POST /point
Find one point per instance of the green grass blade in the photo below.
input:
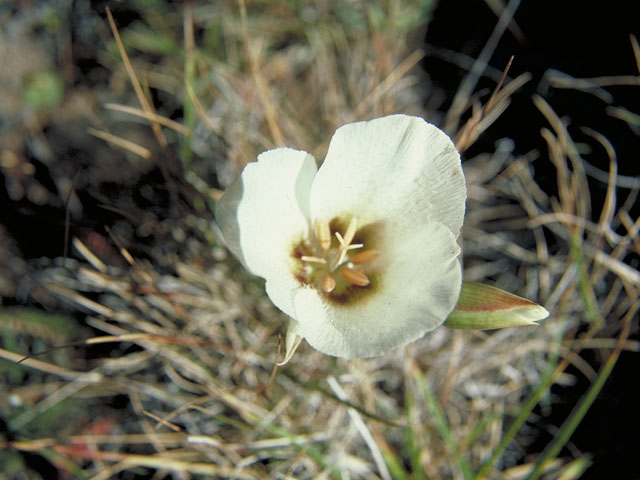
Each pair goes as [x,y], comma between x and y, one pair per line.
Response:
[443,426]
[578,413]
[524,412]
[585,288]
[413,448]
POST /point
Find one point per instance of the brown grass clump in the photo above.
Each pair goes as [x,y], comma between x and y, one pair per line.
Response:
[189,340]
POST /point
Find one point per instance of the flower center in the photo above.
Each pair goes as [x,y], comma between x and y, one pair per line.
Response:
[335,262]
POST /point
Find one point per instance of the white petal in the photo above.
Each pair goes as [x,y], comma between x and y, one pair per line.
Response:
[264,213]
[397,167]
[419,279]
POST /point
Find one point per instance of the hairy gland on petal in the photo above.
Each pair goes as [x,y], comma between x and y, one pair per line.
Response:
[321,258]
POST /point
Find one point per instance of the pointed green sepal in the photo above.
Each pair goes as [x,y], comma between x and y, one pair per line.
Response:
[482,307]
[292,341]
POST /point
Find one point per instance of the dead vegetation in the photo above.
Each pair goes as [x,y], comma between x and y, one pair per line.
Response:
[156,315]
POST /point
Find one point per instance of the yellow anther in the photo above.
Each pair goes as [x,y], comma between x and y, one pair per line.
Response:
[323,235]
[354,277]
[328,283]
[364,256]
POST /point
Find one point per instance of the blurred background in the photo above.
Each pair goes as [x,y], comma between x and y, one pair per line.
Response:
[152,353]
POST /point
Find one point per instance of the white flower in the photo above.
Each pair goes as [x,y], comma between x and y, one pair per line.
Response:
[362,252]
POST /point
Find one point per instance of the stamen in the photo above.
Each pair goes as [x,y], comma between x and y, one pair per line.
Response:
[329,255]
[323,235]
[342,254]
[311,259]
[351,231]
[355,277]
[364,256]
[328,283]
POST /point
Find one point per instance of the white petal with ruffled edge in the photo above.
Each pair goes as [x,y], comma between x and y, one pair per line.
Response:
[264,213]
[397,168]
[418,286]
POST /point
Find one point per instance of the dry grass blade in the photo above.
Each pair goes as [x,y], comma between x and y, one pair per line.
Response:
[468,85]
[258,78]
[88,255]
[155,461]
[133,147]
[482,118]
[167,122]
[40,365]
[389,82]
[202,114]
[142,98]
[636,50]
[362,428]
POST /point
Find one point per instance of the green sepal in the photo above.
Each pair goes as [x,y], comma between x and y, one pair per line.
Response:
[482,307]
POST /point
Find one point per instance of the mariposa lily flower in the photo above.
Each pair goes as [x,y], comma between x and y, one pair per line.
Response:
[362,252]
